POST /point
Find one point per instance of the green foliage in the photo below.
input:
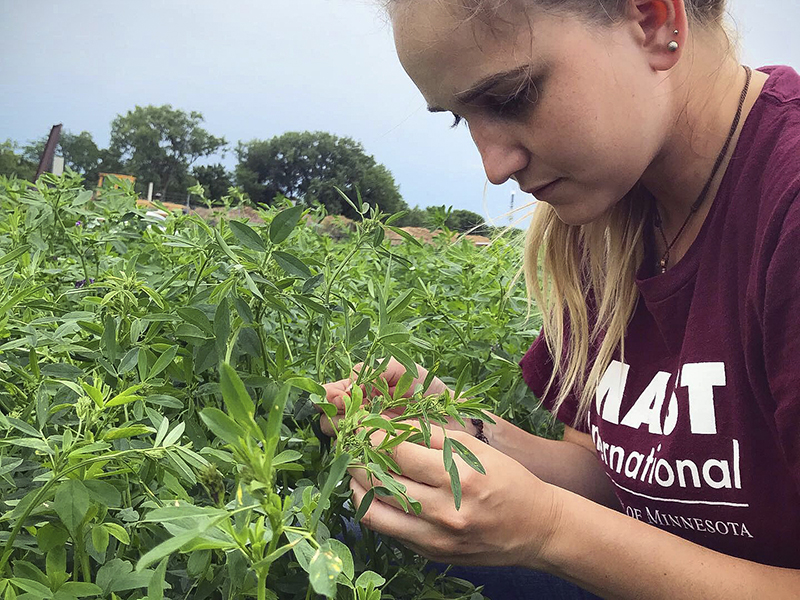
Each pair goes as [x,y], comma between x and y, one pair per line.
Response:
[437,217]
[309,166]
[160,143]
[158,383]
[215,179]
[14,163]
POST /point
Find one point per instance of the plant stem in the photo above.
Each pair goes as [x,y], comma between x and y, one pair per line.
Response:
[262,583]
[199,275]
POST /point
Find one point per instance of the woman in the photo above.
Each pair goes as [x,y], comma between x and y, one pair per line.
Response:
[667,233]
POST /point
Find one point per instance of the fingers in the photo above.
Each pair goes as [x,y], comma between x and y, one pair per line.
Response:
[389,520]
[335,390]
[422,493]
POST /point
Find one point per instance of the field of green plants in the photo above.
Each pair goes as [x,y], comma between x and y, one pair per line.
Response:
[158,380]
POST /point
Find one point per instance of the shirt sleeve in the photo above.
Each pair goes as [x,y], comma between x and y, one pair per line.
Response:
[537,366]
[781,342]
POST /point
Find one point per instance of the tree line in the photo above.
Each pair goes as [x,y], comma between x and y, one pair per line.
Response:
[162,145]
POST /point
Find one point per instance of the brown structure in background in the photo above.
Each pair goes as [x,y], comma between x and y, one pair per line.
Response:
[46,161]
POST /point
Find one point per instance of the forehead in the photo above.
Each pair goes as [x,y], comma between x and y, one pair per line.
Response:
[444,51]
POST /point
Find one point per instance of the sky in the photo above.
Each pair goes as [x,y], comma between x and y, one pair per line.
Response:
[258,68]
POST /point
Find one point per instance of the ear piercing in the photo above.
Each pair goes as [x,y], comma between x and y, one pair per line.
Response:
[673,45]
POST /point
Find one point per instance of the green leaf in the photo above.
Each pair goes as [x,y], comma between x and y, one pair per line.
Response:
[455,484]
[482,386]
[80,589]
[36,589]
[468,457]
[118,576]
[128,362]
[308,385]
[343,552]
[196,317]
[400,303]
[62,371]
[447,454]
[335,473]
[379,422]
[163,361]
[292,265]
[103,493]
[406,236]
[240,406]
[14,254]
[222,328]
[286,456]
[118,532]
[313,305]
[393,333]
[366,502]
[25,428]
[100,538]
[174,436]
[155,587]
[163,428]
[34,443]
[324,571]
[246,236]
[173,544]
[222,426]
[403,358]
[462,380]
[284,223]
[71,503]
[275,421]
[369,579]
[120,433]
[360,331]
[225,248]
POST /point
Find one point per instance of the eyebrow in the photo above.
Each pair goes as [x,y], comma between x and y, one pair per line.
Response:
[484,85]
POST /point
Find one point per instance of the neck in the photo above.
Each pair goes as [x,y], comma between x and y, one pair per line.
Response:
[707,101]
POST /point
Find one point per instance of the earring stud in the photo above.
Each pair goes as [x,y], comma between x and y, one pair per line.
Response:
[673,46]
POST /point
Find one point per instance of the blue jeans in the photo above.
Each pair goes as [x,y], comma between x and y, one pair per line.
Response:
[514,583]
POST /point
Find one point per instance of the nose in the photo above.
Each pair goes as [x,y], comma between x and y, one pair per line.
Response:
[502,155]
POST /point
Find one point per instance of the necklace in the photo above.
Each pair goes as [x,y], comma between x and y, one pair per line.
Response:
[701,198]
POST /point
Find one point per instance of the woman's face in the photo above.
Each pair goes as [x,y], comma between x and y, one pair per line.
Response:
[548,99]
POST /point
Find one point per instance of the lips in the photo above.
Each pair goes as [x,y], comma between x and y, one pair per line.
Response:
[540,190]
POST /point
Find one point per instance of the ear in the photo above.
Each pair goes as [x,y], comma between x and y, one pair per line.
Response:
[658,20]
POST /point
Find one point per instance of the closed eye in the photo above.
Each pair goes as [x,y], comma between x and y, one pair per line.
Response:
[514,105]
[457,120]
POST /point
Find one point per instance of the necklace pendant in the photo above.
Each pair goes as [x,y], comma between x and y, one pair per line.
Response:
[663,264]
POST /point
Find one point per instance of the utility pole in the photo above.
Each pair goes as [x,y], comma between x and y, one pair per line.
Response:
[511,210]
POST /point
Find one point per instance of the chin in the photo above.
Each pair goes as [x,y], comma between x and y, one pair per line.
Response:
[576,214]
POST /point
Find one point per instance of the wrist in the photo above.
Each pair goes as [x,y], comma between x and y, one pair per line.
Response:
[547,516]
[479,430]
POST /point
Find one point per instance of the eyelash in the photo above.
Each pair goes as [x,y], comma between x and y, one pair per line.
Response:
[507,107]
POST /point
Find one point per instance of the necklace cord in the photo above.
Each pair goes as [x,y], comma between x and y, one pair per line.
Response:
[701,198]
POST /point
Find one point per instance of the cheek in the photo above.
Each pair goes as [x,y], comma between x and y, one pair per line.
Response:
[606,140]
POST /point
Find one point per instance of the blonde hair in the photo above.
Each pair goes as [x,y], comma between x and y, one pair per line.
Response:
[582,277]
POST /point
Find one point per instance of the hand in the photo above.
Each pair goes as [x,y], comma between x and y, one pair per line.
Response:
[337,389]
[507,516]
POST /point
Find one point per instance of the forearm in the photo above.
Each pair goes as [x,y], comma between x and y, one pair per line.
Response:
[563,464]
[617,557]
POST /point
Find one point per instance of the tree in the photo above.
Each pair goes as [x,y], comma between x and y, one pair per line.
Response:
[308,166]
[160,143]
[14,164]
[215,179]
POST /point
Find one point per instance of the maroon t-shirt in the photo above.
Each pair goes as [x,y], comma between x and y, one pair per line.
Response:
[699,429]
